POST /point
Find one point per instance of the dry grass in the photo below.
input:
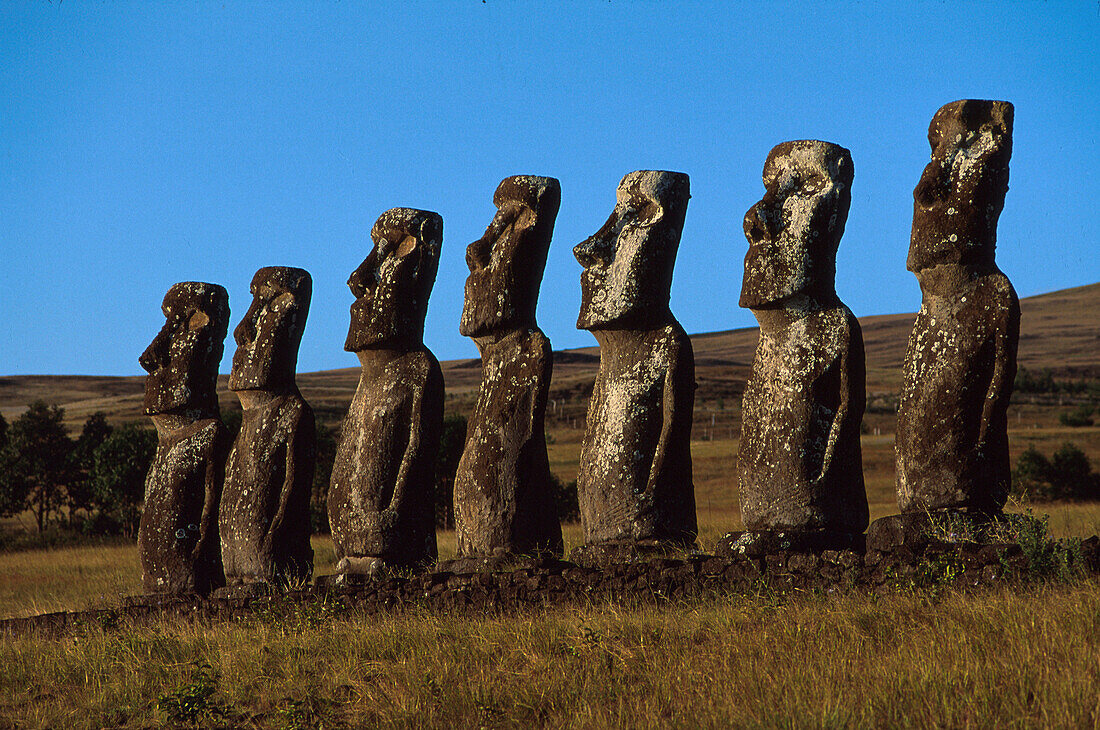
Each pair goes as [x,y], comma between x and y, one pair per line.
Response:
[997,659]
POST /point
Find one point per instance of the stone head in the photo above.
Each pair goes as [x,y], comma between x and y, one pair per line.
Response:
[392,285]
[271,330]
[182,361]
[794,231]
[506,263]
[961,194]
[628,263]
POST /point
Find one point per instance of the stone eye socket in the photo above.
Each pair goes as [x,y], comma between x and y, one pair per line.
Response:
[197,321]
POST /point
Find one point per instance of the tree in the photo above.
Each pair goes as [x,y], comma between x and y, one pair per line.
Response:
[1071,474]
[119,467]
[322,475]
[451,442]
[37,467]
[1066,475]
[95,432]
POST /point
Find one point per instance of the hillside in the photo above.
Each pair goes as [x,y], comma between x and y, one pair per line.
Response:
[1060,331]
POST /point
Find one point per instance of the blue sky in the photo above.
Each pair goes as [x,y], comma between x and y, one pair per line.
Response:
[143,144]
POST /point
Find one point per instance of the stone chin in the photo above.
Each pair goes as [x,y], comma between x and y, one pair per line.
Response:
[480,315]
[248,371]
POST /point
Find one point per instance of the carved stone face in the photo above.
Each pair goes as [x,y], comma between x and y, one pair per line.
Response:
[794,231]
[268,336]
[182,361]
[959,198]
[392,285]
[506,263]
[628,263]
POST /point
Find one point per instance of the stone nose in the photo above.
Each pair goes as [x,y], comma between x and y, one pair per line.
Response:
[156,354]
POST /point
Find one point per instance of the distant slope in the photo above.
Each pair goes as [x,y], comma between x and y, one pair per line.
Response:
[1059,331]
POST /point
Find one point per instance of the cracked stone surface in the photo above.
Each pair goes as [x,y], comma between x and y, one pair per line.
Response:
[634,481]
[952,433]
[381,498]
[502,491]
[178,533]
[264,520]
[800,465]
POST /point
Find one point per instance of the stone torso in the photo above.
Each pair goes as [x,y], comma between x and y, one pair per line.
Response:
[952,439]
[381,499]
[502,487]
[799,460]
[264,518]
[178,534]
[634,481]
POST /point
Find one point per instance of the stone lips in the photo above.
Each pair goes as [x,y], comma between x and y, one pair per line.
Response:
[393,283]
[795,230]
[271,330]
[506,264]
[799,460]
[634,482]
[960,195]
[182,360]
[178,540]
[502,490]
[381,496]
[952,433]
[628,263]
[264,516]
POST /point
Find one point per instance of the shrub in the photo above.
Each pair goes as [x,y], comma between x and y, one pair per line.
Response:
[1066,475]
[1078,417]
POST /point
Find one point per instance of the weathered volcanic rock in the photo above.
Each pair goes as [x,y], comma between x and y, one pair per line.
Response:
[952,433]
[634,481]
[502,492]
[799,465]
[381,498]
[178,533]
[265,524]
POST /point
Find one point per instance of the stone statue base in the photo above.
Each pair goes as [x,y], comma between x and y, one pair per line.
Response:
[758,543]
[498,562]
[602,554]
[916,530]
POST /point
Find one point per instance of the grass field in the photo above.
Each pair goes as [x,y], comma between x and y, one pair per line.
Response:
[991,659]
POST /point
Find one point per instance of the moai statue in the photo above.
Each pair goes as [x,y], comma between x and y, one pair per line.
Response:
[264,519]
[502,491]
[800,466]
[381,499]
[634,483]
[952,437]
[178,533]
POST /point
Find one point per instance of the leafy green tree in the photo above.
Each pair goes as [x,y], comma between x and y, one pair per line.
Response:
[36,466]
[1066,475]
[1071,474]
[119,467]
[80,497]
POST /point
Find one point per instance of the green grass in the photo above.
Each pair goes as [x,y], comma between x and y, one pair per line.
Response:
[993,659]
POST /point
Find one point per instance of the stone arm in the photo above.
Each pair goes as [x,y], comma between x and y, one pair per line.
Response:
[852,396]
[677,403]
[214,477]
[425,423]
[1005,344]
[301,455]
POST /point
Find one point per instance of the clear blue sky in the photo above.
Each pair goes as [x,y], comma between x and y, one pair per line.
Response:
[147,143]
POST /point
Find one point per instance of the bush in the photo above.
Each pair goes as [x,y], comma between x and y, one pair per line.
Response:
[1066,475]
[1078,417]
